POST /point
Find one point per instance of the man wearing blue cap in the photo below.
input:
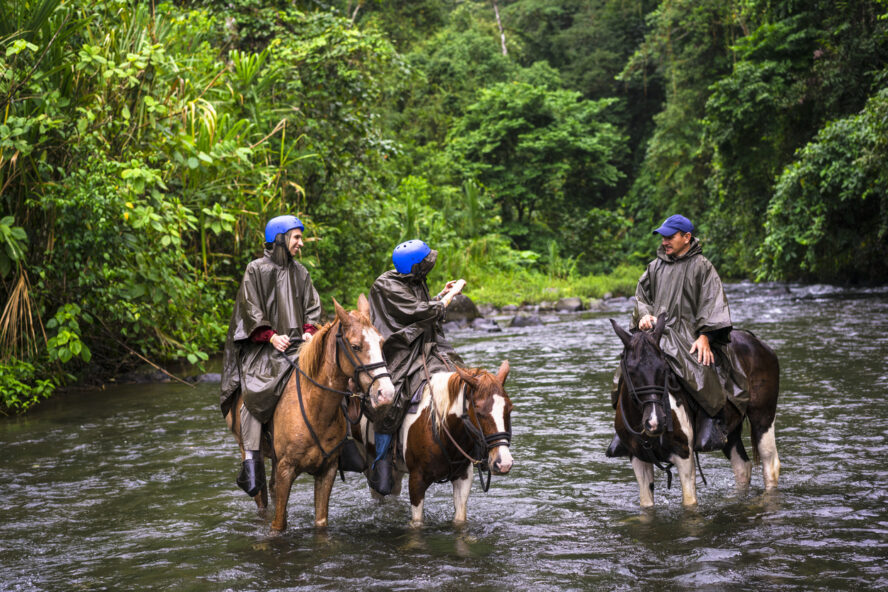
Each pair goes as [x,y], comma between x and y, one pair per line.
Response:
[277,308]
[684,285]
[411,322]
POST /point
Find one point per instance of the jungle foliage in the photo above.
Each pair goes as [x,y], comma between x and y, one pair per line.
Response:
[143,145]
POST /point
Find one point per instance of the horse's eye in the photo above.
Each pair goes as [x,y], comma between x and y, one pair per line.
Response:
[356,348]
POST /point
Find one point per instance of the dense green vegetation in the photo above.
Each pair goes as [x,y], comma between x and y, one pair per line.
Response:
[143,145]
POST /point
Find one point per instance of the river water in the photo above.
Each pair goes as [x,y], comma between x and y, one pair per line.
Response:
[132,487]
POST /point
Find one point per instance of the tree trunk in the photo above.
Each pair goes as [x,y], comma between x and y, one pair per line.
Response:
[499,24]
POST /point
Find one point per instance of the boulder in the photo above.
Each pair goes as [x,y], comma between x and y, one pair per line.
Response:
[487,325]
[526,320]
[462,309]
[569,305]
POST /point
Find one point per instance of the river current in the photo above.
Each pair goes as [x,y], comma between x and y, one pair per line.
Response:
[131,487]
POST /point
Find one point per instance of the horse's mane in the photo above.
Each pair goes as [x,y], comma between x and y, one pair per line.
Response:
[311,353]
[446,395]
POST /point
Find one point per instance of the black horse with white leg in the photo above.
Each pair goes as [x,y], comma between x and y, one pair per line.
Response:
[655,419]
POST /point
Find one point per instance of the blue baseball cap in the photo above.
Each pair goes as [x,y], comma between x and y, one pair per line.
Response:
[673,224]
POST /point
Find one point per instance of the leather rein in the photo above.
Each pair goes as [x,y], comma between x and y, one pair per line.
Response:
[482,443]
[648,394]
[657,395]
[341,346]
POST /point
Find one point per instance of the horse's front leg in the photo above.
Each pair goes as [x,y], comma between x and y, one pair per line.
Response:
[687,477]
[644,474]
[461,489]
[323,487]
[284,474]
[417,487]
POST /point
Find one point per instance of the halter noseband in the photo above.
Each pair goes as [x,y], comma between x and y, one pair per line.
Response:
[359,368]
[648,394]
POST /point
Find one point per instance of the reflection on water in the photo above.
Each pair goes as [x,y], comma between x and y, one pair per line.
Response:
[133,487]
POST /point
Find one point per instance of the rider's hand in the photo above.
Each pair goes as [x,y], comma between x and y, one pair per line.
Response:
[280,342]
[704,352]
[307,336]
[647,322]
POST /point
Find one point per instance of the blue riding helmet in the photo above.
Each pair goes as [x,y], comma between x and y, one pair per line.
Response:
[280,225]
[408,254]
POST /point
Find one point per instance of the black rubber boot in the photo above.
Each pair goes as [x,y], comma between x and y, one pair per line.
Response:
[381,478]
[252,476]
[616,448]
[712,433]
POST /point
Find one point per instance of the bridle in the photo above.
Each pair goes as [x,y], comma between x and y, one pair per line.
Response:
[648,394]
[657,395]
[482,443]
[359,369]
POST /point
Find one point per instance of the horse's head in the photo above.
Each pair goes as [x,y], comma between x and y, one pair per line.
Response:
[359,354]
[645,373]
[491,410]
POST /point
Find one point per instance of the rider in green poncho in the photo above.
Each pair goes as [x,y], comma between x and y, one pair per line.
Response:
[684,285]
[410,321]
[277,308]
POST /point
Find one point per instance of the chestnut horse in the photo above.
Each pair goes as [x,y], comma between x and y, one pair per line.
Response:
[309,425]
[655,420]
[462,421]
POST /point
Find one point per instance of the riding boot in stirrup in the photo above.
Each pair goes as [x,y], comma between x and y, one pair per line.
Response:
[616,448]
[712,433]
[380,477]
[252,475]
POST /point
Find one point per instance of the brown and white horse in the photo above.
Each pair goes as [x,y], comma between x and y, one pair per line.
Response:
[656,423]
[462,421]
[309,427]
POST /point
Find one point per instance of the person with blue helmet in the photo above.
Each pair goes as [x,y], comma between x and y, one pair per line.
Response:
[276,309]
[684,285]
[410,321]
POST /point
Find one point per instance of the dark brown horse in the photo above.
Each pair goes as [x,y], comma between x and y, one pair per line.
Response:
[655,420]
[309,426]
[462,421]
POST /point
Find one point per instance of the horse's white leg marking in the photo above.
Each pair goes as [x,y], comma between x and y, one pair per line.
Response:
[687,477]
[386,387]
[685,466]
[416,514]
[644,473]
[767,450]
[502,457]
[742,470]
[461,489]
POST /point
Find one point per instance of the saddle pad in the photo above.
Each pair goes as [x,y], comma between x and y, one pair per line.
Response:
[413,407]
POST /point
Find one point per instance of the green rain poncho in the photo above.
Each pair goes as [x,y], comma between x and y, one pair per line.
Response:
[411,324]
[276,293]
[691,294]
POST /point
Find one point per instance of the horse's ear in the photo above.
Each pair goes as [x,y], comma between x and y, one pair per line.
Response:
[341,314]
[363,305]
[466,376]
[621,333]
[659,327]
[503,372]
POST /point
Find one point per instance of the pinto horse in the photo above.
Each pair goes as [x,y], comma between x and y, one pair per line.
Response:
[655,420]
[463,420]
[309,424]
